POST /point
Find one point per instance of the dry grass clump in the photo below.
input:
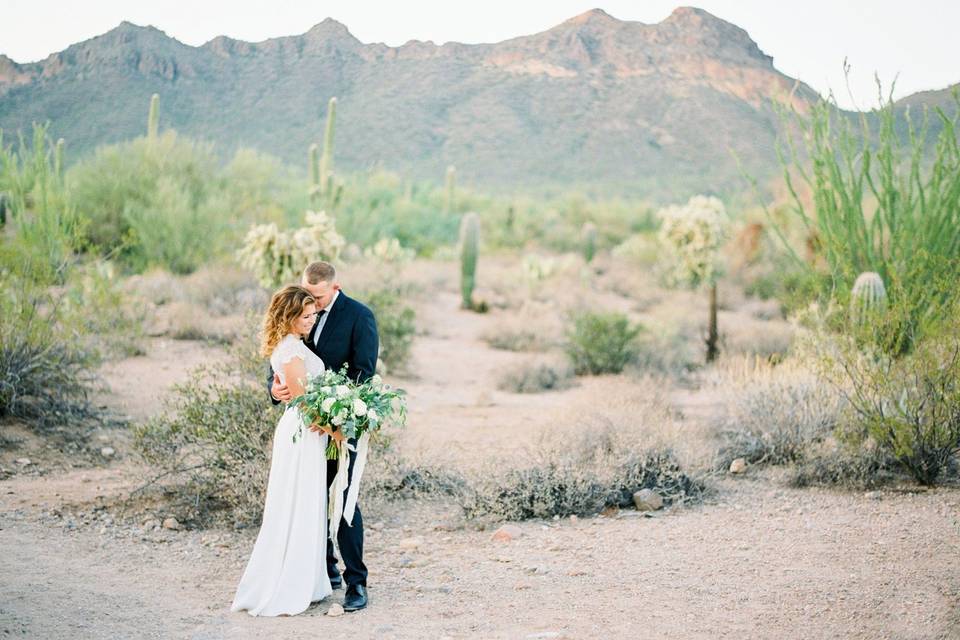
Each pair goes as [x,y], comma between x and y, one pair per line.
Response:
[773,414]
[536,327]
[537,377]
[744,334]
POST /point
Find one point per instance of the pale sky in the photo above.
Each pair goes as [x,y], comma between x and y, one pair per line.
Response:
[808,39]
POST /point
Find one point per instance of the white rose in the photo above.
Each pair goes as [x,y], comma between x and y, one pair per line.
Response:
[339,418]
[342,390]
[359,408]
[327,404]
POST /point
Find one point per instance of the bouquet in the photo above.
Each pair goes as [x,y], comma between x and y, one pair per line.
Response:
[353,409]
[350,410]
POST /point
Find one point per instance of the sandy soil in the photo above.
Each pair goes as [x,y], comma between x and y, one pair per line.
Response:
[754,560]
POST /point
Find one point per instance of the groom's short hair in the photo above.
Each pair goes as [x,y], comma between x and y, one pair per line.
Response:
[317,272]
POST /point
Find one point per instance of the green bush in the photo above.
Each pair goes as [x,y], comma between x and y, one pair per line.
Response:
[395,325]
[213,441]
[908,405]
[45,367]
[600,343]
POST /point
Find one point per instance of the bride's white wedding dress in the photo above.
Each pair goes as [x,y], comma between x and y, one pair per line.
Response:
[288,568]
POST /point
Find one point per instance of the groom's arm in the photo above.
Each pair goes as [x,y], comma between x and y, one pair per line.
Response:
[270,378]
[364,346]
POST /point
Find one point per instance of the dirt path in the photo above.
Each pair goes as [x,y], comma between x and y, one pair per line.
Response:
[754,562]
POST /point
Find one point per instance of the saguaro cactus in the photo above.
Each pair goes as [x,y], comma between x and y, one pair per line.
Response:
[314,174]
[588,237]
[153,118]
[868,297]
[451,185]
[326,162]
[469,249]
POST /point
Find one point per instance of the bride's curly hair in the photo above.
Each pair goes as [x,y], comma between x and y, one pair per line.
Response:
[286,306]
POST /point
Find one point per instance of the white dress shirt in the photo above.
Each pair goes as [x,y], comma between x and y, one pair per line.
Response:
[323,319]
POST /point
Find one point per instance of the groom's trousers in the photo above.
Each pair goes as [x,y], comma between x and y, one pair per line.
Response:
[349,538]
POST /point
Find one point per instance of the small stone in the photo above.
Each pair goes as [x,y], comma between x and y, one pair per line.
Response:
[647,500]
[171,523]
[574,519]
[610,512]
[506,533]
[738,466]
[107,452]
[411,544]
[23,461]
[873,495]
[336,609]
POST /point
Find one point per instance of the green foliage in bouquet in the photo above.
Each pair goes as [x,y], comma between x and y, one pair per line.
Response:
[352,408]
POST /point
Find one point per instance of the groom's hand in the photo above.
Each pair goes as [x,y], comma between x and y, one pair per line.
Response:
[279,391]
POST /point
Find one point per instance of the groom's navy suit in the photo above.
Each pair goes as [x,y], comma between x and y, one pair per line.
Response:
[348,336]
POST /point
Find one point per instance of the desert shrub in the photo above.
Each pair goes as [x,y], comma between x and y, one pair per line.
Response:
[395,326]
[396,477]
[600,343]
[833,464]
[909,405]
[775,415]
[511,338]
[45,367]
[582,477]
[536,377]
[211,445]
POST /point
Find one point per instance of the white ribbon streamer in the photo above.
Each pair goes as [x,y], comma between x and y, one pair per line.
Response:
[339,509]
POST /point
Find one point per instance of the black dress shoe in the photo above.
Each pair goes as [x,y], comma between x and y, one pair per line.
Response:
[355,598]
[336,583]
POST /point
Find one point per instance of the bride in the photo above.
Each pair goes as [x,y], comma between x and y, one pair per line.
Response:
[287,569]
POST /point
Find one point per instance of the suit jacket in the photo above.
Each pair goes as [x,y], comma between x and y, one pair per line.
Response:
[349,337]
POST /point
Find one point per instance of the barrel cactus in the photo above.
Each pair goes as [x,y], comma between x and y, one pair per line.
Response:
[589,240]
[469,249]
[867,298]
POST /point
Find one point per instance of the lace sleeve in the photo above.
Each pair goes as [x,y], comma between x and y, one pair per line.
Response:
[290,349]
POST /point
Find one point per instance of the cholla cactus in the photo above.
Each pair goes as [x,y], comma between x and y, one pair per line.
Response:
[868,297]
[469,250]
[276,256]
[388,251]
[693,234]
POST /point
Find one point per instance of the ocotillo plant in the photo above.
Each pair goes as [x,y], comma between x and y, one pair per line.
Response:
[451,185]
[58,160]
[469,249]
[589,240]
[326,161]
[153,118]
[867,298]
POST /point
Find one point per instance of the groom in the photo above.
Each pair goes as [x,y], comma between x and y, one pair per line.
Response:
[345,332]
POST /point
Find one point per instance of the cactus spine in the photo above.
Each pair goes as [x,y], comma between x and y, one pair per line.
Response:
[451,185]
[326,162]
[469,248]
[868,297]
[589,238]
[153,119]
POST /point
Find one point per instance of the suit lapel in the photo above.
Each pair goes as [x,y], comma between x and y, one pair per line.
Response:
[334,317]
